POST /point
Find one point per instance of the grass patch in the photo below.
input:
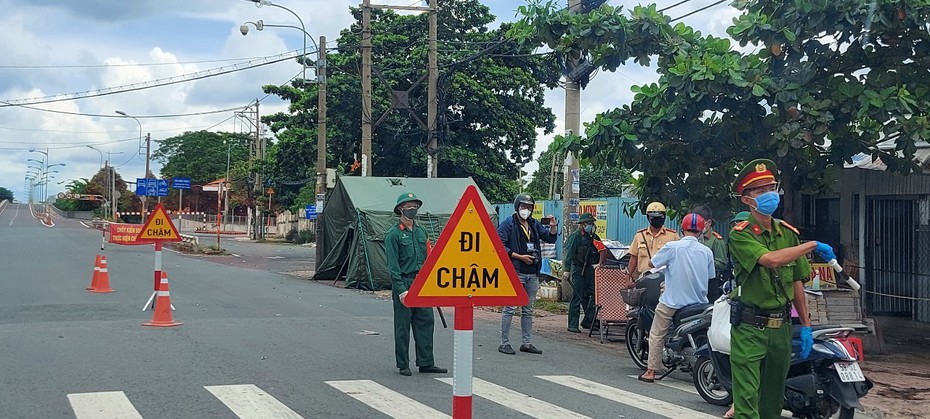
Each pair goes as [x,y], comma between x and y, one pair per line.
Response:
[551,306]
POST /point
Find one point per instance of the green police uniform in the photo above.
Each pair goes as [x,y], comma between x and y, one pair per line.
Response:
[715,242]
[760,357]
[406,252]
[582,253]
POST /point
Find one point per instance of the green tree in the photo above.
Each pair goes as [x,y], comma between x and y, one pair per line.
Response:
[603,181]
[490,101]
[828,80]
[6,194]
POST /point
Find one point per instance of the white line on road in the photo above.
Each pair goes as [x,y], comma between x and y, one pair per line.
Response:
[385,400]
[673,383]
[638,401]
[248,401]
[520,402]
[105,404]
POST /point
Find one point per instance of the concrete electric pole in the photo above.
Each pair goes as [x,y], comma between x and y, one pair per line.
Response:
[571,187]
[366,88]
[433,67]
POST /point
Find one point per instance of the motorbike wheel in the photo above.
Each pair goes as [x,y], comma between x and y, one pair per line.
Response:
[637,345]
[707,384]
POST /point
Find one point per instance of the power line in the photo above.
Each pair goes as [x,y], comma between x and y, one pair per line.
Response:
[699,10]
[69,66]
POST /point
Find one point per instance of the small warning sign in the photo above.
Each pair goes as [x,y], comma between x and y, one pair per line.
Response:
[159,227]
[468,266]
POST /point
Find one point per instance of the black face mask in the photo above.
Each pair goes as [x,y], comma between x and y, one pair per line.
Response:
[657,221]
[409,213]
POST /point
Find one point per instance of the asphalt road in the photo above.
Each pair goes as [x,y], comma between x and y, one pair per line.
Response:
[259,343]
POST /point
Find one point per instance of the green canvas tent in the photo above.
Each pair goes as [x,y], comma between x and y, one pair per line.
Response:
[358,214]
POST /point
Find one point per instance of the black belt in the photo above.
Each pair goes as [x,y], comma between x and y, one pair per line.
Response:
[764,319]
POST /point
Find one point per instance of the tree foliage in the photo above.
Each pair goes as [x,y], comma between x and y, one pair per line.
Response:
[490,101]
[825,80]
[595,181]
[6,194]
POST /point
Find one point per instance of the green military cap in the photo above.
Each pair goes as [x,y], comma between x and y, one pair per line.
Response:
[759,172]
[586,218]
[404,198]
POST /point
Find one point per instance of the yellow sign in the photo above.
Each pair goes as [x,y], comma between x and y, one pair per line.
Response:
[469,265]
[599,210]
[159,227]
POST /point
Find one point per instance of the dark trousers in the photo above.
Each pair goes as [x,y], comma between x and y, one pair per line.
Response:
[582,297]
[421,320]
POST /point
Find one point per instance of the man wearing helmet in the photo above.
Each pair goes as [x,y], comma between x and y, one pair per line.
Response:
[522,237]
[690,265]
[647,242]
[405,247]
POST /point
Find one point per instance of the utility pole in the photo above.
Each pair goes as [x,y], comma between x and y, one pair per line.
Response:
[572,176]
[320,145]
[148,173]
[366,88]
[433,67]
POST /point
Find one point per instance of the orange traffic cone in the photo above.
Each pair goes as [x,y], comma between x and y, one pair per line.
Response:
[103,278]
[161,316]
[96,276]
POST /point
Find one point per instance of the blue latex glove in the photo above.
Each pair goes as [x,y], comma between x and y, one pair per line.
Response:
[824,251]
[807,341]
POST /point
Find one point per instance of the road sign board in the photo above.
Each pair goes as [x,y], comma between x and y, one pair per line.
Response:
[162,187]
[181,183]
[310,212]
[151,187]
[468,266]
[140,186]
[159,227]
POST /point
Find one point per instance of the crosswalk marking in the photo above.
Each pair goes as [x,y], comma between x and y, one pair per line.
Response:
[105,404]
[520,402]
[638,401]
[248,401]
[673,383]
[385,400]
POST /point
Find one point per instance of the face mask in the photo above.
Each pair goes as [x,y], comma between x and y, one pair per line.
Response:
[409,213]
[657,222]
[767,203]
[589,229]
[525,213]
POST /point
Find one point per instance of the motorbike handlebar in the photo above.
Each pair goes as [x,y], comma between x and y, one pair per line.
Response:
[839,270]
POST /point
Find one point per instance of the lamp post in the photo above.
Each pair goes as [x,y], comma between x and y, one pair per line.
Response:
[44,163]
[97,150]
[259,3]
[148,149]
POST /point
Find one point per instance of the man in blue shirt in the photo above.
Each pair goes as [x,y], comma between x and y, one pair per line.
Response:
[690,265]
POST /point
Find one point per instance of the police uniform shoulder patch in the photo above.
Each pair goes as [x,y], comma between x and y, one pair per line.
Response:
[756,229]
[642,229]
[670,230]
[790,227]
[718,236]
[740,226]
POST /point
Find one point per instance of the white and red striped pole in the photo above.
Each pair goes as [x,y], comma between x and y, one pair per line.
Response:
[462,361]
[151,301]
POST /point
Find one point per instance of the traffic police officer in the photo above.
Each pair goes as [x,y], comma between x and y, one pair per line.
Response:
[770,266]
[582,253]
[405,247]
[647,242]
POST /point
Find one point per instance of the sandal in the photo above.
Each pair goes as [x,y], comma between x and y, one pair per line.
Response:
[644,379]
[730,414]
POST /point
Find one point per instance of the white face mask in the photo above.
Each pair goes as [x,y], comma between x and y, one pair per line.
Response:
[524,213]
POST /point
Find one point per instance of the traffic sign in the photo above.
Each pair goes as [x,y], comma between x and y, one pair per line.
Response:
[159,227]
[468,266]
[151,187]
[310,212]
[181,183]
[162,187]
[140,187]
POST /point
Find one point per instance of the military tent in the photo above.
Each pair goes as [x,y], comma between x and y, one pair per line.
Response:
[358,214]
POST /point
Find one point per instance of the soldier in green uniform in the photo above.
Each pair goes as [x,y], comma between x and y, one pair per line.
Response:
[405,246]
[581,253]
[770,266]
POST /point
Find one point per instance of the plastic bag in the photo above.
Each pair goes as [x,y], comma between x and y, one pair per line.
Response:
[719,332]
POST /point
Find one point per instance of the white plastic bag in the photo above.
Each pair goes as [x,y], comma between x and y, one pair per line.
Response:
[719,333]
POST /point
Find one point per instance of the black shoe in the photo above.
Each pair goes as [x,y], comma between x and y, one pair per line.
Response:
[433,369]
[585,326]
[574,330]
[530,348]
[405,372]
[506,349]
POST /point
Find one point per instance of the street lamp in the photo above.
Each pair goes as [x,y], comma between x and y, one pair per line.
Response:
[44,163]
[97,150]
[259,3]
[148,149]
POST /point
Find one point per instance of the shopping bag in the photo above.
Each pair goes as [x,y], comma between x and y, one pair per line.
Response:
[719,333]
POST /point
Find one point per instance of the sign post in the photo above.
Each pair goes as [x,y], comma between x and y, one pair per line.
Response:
[468,267]
[158,228]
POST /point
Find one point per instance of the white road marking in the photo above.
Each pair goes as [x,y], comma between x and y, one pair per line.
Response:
[520,402]
[385,400]
[248,401]
[105,404]
[672,383]
[628,398]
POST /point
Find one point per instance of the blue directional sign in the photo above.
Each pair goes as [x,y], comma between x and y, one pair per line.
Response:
[310,212]
[140,187]
[181,183]
[151,187]
[162,187]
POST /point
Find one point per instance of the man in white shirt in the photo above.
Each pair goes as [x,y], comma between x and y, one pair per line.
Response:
[689,265]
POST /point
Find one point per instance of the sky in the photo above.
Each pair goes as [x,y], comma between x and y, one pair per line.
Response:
[56,52]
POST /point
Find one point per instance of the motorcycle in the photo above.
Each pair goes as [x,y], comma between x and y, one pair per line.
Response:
[826,382]
[688,330]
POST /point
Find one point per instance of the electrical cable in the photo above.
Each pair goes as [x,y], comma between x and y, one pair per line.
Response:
[70,66]
[699,10]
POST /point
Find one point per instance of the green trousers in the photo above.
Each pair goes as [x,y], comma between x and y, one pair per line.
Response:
[759,360]
[421,320]
[582,297]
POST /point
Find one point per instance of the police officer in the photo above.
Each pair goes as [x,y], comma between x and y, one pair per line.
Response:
[647,242]
[405,247]
[714,241]
[582,253]
[770,266]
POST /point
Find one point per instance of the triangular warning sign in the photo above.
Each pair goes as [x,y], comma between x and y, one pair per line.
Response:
[468,266]
[159,227]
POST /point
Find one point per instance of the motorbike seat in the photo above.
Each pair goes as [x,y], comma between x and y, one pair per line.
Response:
[796,330]
[688,311]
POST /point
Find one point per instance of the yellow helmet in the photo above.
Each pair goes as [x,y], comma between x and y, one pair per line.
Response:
[655,207]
